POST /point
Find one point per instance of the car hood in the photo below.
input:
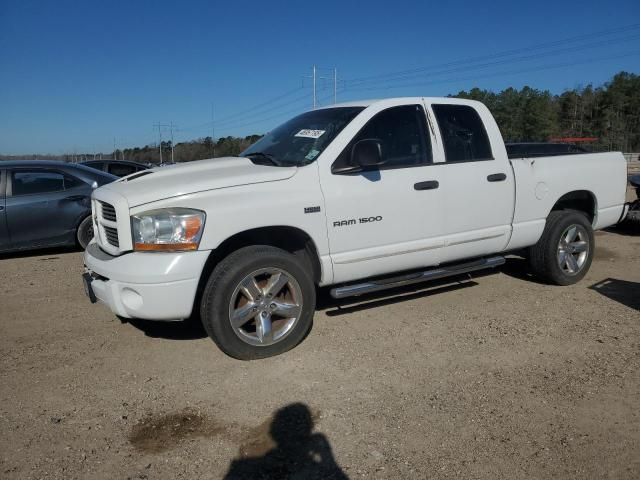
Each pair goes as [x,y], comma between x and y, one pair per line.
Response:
[193,177]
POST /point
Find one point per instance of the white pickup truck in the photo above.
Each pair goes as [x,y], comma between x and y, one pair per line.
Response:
[360,196]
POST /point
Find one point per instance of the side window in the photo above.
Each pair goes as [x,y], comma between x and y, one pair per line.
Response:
[463,134]
[121,170]
[96,165]
[27,182]
[73,182]
[403,137]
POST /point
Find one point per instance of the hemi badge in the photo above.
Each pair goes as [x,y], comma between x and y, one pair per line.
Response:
[311,209]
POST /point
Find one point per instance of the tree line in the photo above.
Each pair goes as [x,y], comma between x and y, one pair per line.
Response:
[197,149]
[610,113]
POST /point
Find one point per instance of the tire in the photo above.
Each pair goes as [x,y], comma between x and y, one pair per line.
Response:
[84,233]
[565,250]
[270,296]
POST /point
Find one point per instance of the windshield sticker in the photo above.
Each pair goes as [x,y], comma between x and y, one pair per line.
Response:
[312,154]
[310,133]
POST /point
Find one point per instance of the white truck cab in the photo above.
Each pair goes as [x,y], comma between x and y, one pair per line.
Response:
[359,196]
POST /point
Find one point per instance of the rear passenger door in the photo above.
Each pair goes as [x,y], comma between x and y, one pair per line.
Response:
[4,234]
[479,191]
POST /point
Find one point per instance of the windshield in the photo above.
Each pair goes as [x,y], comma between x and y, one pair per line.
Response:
[300,140]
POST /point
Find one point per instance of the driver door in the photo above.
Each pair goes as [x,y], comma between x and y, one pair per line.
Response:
[390,218]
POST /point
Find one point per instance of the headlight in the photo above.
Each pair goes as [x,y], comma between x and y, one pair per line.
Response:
[167,229]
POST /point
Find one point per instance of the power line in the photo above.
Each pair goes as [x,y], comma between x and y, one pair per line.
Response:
[277,115]
[501,73]
[393,81]
[260,105]
[520,59]
[243,113]
[505,53]
[209,124]
[258,110]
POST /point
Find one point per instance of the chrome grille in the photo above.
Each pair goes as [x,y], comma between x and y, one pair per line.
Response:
[108,212]
[112,235]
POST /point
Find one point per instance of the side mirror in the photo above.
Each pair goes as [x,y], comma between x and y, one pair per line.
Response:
[367,153]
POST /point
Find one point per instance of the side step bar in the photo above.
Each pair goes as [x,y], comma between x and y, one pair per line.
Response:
[415,277]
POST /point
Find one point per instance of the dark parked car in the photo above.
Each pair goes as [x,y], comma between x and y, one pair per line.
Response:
[633,216]
[119,168]
[46,204]
[541,149]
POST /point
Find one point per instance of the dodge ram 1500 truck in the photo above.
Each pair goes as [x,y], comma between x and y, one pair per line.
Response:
[359,196]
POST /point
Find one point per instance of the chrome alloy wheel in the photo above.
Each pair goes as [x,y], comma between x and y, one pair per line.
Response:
[265,306]
[573,249]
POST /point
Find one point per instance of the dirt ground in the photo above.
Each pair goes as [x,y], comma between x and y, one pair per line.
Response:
[493,376]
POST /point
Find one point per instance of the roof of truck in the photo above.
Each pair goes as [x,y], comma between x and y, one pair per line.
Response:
[400,100]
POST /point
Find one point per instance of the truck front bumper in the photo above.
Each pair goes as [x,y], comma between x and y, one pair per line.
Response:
[152,286]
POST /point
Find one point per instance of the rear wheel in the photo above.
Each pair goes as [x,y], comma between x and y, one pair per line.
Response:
[85,232]
[564,253]
[258,302]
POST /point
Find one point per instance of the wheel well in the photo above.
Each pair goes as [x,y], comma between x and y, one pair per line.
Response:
[291,239]
[581,200]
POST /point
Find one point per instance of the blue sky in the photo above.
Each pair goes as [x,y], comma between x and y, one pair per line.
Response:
[74,75]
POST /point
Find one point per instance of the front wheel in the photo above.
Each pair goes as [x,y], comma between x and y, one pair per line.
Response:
[258,302]
[564,253]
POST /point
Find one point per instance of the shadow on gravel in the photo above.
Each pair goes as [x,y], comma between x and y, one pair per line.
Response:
[518,267]
[622,291]
[345,306]
[181,330]
[286,447]
[38,252]
[625,228]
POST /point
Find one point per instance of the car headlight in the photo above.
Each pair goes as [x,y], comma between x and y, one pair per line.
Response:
[167,229]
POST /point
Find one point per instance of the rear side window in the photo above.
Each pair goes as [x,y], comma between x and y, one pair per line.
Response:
[403,137]
[29,182]
[121,170]
[463,134]
[96,165]
[72,182]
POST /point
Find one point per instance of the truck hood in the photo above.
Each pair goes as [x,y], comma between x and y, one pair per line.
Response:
[193,177]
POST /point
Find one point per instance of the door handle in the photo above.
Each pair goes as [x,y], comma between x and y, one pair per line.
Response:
[497,177]
[428,185]
[75,198]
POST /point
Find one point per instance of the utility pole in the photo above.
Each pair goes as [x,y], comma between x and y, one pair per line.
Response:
[114,149]
[171,127]
[335,85]
[314,87]
[313,78]
[213,132]
[159,125]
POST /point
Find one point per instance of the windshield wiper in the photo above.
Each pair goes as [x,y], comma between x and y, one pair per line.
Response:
[264,157]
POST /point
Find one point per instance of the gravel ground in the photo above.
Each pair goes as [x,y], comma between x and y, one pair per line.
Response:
[491,376]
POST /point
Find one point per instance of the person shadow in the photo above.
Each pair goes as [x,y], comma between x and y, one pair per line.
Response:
[297,452]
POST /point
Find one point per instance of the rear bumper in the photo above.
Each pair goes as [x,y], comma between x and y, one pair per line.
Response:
[153,286]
